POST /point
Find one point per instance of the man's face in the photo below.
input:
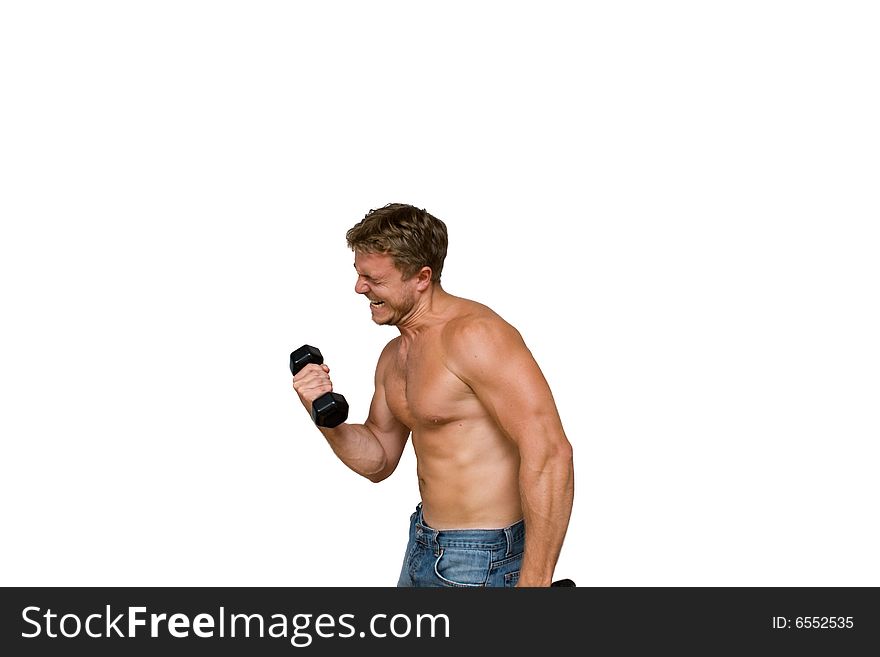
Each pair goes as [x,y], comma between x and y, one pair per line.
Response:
[391,297]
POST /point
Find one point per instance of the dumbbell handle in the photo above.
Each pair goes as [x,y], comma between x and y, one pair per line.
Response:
[330,409]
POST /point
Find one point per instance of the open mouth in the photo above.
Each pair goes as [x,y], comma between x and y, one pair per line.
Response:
[376,304]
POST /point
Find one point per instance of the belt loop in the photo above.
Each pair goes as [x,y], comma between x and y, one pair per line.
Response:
[507,534]
[435,542]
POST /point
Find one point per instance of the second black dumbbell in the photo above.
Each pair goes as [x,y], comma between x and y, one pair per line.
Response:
[330,409]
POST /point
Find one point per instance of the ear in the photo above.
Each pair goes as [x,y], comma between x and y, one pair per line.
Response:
[423,279]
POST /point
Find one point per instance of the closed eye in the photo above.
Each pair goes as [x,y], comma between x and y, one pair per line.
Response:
[369,278]
[378,281]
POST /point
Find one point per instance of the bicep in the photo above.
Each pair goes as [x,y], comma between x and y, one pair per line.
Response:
[391,433]
[382,422]
[507,380]
[520,398]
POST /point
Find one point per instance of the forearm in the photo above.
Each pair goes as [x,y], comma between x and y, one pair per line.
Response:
[357,447]
[547,492]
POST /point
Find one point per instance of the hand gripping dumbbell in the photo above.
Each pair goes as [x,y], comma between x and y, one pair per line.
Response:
[330,409]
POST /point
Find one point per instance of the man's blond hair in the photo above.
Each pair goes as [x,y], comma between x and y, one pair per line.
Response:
[411,236]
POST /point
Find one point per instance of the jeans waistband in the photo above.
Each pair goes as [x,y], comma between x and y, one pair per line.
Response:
[510,540]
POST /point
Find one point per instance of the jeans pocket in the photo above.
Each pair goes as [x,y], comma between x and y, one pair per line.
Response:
[511,579]
[459,567]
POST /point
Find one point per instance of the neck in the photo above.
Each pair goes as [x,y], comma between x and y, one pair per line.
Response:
[426,313]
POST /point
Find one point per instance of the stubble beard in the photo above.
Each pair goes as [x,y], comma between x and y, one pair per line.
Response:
[398,313]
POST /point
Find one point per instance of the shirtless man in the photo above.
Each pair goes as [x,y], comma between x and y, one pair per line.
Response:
[494,465]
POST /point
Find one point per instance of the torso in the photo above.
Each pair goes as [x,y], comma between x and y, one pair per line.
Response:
[467,468]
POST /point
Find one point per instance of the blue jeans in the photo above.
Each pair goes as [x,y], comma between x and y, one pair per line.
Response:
[461,557]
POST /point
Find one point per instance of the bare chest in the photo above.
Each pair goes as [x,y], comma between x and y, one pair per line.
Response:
[421,391]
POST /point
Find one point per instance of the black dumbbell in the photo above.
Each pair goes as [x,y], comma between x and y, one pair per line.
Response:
[330,409]
[563,583]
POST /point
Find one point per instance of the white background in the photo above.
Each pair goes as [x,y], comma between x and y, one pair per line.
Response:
[676,204]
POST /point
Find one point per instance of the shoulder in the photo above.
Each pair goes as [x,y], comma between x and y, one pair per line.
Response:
[476,324]
[389,351]
[478,337]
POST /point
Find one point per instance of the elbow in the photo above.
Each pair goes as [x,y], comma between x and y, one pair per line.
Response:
[559,451]
[566,452]
[561,456]
[376,477]
[556,456]
[379,475]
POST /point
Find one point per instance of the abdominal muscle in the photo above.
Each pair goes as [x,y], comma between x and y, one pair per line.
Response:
[468,475]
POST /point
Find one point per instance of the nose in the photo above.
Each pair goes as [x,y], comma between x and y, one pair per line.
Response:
[361,286]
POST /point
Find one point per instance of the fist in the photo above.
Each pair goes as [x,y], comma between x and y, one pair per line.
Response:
[311,382]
